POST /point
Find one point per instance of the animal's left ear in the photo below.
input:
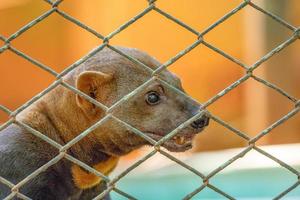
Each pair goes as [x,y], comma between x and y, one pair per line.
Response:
[91,83]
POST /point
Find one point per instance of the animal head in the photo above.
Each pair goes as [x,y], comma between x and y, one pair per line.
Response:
[156,110]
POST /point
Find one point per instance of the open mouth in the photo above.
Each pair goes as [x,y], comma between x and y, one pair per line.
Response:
[178,143]
[184,139]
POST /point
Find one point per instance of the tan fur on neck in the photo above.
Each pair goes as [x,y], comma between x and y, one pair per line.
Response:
[85,180]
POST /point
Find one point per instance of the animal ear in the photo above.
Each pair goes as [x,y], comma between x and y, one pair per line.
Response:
[90,83]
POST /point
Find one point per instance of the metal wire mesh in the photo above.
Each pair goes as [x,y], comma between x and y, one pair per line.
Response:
[156,145]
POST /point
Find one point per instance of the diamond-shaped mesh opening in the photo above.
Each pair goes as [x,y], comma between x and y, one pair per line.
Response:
[234,109]
[196,16]
[90,14]
[211,71]
[155,39]
[249,120]
[254,172]
[285,79]
[20,13]
[218,136]
[234,29]
[56,44]
[98,14]
[208,161]
[25,80]
[286,133]
[159,169]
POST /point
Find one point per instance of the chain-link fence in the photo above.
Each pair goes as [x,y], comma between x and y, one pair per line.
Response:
[156,144]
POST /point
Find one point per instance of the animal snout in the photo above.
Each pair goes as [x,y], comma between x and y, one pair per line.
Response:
[201,122]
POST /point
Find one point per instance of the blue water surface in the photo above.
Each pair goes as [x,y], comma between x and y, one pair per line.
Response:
[247,184]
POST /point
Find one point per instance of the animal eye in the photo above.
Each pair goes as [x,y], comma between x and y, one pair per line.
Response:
[152,98]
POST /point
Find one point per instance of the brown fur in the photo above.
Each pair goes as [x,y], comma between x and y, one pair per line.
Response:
[107,77]
[85,180]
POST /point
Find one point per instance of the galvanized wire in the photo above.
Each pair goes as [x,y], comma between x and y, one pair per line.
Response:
[200,40]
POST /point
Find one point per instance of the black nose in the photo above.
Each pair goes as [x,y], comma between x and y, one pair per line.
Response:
[200,123]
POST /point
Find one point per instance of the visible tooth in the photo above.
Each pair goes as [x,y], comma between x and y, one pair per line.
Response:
[180,140]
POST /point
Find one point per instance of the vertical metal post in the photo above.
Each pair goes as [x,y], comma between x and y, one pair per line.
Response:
[256,108]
